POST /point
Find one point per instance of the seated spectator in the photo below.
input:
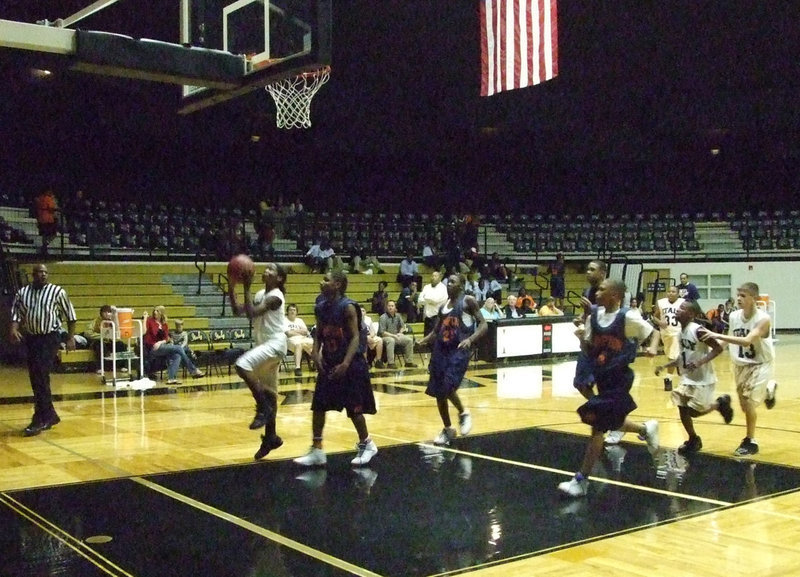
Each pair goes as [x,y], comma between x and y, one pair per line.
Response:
[265,221]
[473,289]
[157,344]
[429,256]
[358,253]
[549,309]
[468,228]
[408,302]
[181,338]
[392,330]
[409,270]
[525,301]
[370,263]
[491,287]
[374,342]
[511,311]
[525,310]
[379,298]
[497,268]
[312,257]
[96,332]
[454,262]
[726,313]
[319,257]
[634,305]
[299,337]
[81,342]
[491,311]
[262,247]
[474,260]
[715,318]
[362,259]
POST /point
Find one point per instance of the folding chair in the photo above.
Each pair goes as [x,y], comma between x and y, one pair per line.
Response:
[200,345]
[219,343]
[239,342]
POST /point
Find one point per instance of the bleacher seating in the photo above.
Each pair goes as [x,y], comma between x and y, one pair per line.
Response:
[174,285]
[146,230]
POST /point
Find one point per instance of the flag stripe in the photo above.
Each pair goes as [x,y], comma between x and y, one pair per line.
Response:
[519,43]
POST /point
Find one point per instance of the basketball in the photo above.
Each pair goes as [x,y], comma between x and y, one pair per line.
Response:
[240,267]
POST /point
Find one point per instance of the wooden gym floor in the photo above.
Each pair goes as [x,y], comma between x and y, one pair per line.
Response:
[162,482]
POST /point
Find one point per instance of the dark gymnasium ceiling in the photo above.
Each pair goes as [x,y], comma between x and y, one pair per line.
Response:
[687,102]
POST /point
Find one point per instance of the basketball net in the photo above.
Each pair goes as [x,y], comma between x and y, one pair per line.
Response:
[293,96]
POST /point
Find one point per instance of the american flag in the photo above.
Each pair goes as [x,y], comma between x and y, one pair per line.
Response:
[519,44]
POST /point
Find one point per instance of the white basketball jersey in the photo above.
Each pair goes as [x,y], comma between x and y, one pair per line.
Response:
[668,311]
[762,351]
[271,322]
[693,350]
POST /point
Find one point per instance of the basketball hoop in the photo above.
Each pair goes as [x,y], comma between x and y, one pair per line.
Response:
[293,96]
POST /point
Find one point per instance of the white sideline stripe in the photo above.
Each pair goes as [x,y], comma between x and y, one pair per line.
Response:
[567,473]
[278,538]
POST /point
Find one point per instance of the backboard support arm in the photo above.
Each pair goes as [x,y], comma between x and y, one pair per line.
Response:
[84,13]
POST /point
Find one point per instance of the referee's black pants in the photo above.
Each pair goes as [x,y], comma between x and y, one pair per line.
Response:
[42,350]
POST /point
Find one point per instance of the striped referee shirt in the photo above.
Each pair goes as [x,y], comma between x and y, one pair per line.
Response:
[39,310]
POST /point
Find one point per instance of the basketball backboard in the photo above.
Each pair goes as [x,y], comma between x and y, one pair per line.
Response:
[216,51]
[280,38]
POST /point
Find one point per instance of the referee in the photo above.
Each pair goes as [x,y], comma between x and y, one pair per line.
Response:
[36,318]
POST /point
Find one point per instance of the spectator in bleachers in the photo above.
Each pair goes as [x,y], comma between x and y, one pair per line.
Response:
[431,299]
[363,259]
[526,304]
[408,302]
[726,313]
[265,221]
[158,344]
[491,287]
[299,336]
[549,309]
[497,268]
[429,256]
[374,342]
[714,316]
[557,268]
[511,311]
[319,257]
[469,230]
[299,212]
[262,247]
[392,330]
[472,288]
[409,270]
[181,338]
[358,253]
[379,298]
[634,305]
[491,311]
[228,239]
[96,332]
[687,290]
[474,260]
[454,256]
[480,287]
[46,212]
